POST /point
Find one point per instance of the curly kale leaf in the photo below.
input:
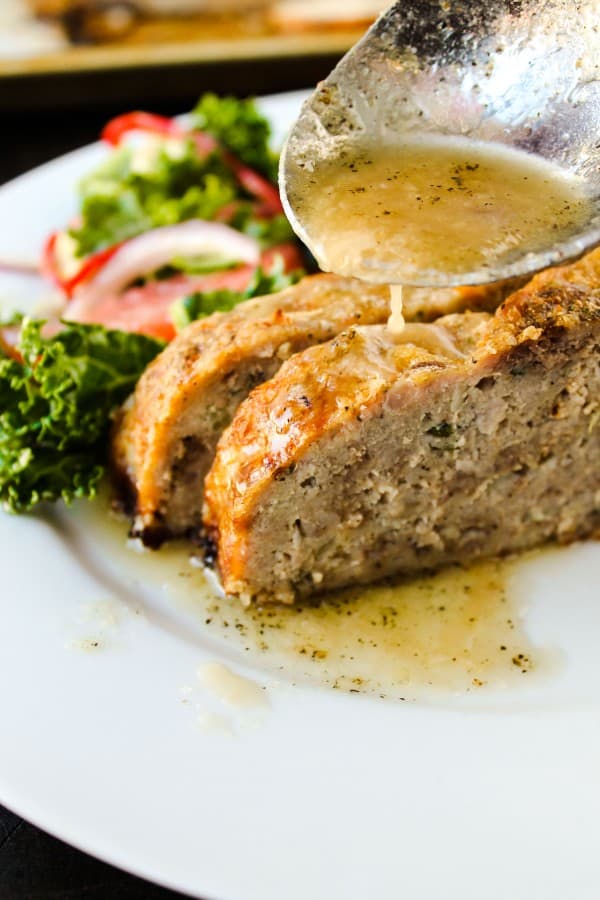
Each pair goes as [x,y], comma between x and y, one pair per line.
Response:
[56,406]
[238,125]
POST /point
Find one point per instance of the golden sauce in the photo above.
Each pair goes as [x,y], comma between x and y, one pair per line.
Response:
[231,688]
[432,211]
[396,322]
[428,335]
[461,630]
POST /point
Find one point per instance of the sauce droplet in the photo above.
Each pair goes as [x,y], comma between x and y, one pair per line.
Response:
[396,322]
[231,688]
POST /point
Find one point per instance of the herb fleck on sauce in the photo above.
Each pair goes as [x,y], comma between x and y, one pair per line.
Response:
[460,630]
[457,630]
[433,209]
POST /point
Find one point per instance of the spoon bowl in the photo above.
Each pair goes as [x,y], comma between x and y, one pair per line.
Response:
[523,74]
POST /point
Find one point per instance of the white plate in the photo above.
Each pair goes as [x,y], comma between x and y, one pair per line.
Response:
[325,795]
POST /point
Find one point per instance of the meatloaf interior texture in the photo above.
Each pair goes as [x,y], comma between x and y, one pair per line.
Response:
[366,456]
[165,438]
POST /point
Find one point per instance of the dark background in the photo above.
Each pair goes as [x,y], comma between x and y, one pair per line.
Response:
[43,117]
[35,866]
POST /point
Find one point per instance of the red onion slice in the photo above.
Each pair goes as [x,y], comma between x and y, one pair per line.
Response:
[144,254]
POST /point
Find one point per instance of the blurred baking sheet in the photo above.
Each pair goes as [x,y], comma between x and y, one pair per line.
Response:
[30,46]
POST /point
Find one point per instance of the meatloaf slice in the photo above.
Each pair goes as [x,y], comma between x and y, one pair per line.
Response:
[366,457]
[165,438]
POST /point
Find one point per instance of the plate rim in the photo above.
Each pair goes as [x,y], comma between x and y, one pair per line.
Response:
[103,846]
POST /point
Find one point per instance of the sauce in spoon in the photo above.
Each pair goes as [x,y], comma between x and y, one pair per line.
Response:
[435,211]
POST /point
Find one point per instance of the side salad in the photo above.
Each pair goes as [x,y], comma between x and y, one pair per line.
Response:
[181,220]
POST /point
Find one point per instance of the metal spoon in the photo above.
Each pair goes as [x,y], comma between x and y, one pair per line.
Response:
[523,73]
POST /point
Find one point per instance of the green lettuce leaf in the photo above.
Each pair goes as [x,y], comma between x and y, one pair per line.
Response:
[198,306]
[56,407]
[268,232]
[238,125]
[122,198]
[119,202]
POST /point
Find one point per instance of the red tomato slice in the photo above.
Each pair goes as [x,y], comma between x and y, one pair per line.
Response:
[147,309]
[289,253]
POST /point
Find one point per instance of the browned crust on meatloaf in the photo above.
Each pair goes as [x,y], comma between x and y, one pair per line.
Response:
[164,441]
[542,344]
[165,437]
[426,304]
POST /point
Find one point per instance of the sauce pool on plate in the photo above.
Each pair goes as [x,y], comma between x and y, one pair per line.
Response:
[461,630]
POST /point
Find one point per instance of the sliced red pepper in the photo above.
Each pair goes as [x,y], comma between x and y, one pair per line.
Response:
[249,179]
[117,128]
[90,265]
[288,252]
[147,309]
[114,130]
[256,184]
[48,259]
